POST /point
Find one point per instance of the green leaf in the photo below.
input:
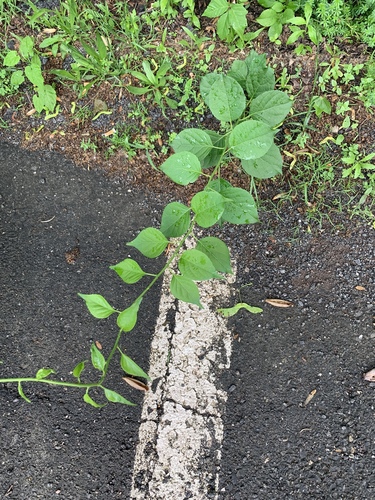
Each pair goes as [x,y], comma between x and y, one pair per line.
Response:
[217,150]
[130,367]
[114,397]
[239,71]
[34,74]
[78,369]
[197,266]
[185,289]
[217,251]
[43,373]
[90,401]
[129,271]
[239,205]
[206,85]
[208,207]
[251,139]
[266,166]
[45,99]
[271,107]
[138,90]
[183,168]
[237,18]
[267,18]
[195,141]
[127,319]
[97,358]
[227,99]
[216,8]
[100,45]
[175,220]
[227,312]
[150,242]
[260,77]
[26,47]
[321,105]
[97,305]
[11,59]
[17,78]
[224,29]
[22,394]
[47,42]
[275,31]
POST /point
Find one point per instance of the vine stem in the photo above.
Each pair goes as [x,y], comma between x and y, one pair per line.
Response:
[49,381]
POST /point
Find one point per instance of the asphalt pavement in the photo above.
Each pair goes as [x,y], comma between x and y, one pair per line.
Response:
[279,410]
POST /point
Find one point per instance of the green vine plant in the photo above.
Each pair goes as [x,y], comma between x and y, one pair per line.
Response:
[250,110]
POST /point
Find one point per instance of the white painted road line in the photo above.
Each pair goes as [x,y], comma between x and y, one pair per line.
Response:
[181,433]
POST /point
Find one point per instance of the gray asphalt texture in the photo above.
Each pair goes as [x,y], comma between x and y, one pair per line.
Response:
[58,446]
[300,420]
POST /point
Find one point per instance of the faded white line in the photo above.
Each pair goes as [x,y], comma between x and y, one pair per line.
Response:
[181,434]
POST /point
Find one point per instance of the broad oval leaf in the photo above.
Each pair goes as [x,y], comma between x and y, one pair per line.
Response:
[217,251]
[97,305]
[194,140]
[239,207]
[175,220]
[266,166]
[129,366]
[260,77]
[114,397]
[43,373]
[97,358]
[185,289]
[195,265]
[129,271]
[206,85]
[271,107]
[251,139]
[127,319]
[11,59]
[208,207]
[227,99]
[150,242]
[183,168]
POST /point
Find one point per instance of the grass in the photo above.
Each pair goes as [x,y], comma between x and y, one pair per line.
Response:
[151,63]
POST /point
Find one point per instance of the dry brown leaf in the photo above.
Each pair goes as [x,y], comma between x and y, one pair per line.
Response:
[361,288]
[369,376]
[136,384]
[110,132]
[279,303]
[309,397]
[278,196]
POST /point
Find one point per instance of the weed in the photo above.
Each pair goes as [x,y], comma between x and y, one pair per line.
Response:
[246,103]
[44,98]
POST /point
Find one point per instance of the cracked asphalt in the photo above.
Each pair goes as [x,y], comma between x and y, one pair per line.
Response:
[290,415]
